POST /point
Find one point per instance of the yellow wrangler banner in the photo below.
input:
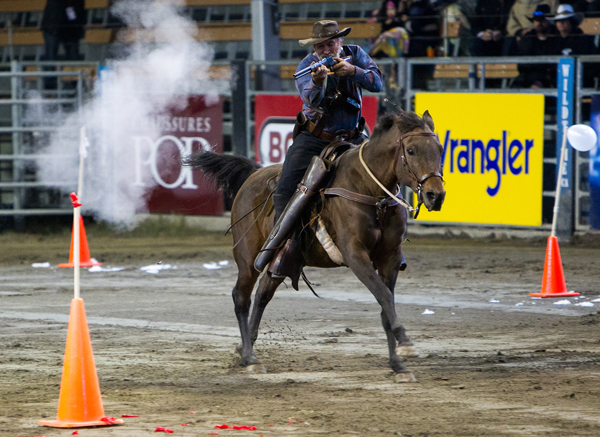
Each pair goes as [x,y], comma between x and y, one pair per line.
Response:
[493,156]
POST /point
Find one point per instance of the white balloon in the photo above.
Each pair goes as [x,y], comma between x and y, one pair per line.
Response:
[582,137]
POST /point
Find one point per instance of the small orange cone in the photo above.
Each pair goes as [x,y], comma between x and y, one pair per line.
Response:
[80,403]
[84,251]
[553,282]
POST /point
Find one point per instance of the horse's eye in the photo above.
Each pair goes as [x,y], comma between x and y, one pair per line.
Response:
[411,151]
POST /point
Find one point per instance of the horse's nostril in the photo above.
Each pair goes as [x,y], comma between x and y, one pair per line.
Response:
[431,195]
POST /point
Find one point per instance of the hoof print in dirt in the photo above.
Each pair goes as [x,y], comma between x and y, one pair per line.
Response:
[407,351]
[256,369]
[404,377]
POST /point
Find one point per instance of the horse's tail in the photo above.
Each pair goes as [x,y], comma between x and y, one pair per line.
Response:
[229,172]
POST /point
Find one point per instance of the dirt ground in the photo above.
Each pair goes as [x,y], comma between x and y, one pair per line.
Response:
[493,361]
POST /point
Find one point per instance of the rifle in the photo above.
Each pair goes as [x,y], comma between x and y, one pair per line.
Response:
[328,62]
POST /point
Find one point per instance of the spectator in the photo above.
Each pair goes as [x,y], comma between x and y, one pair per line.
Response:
[589,8]
[63,23]
[391,18]
[571,40]
[519,19]
[456,13]
[381,14]
[423,28]
[393,40]
[488,27]
[538,40]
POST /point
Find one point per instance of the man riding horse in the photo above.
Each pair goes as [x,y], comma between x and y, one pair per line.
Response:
[332,109]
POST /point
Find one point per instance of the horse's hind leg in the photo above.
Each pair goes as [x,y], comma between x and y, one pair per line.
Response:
[264,294]
[241,294]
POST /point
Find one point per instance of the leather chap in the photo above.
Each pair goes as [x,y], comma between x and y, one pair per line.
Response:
[315,173]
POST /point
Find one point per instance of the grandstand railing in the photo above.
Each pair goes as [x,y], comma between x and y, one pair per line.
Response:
[397,87]
[19,135]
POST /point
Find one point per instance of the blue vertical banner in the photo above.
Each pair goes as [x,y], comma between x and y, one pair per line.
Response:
[595,166]
[564,119]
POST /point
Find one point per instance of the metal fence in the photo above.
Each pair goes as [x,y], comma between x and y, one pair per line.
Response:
[17,134]
[400,87]
[27,87]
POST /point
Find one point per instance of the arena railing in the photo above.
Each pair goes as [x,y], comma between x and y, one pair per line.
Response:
[21,137]
[487,75]
[399,90]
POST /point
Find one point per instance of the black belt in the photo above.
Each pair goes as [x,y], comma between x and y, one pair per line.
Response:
[326,136]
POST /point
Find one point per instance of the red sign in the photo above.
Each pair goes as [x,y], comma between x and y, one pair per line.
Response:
[178,189]
[275,116]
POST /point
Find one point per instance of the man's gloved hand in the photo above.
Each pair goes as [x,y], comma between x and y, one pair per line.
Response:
[343,68]
[319,75]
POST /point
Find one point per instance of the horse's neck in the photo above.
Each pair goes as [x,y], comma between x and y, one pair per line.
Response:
[379,159]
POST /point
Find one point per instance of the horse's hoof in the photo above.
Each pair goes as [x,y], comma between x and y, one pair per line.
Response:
[257,369]
[404,377]
[407,351]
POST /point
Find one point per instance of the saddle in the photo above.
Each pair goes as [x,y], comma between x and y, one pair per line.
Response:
[289,260]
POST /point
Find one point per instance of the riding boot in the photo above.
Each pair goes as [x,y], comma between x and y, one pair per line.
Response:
[310,183]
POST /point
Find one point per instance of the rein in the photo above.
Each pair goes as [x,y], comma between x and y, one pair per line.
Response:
[401,151]
[388,192]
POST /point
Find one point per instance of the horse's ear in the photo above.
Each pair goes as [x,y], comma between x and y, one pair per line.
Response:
[428,120]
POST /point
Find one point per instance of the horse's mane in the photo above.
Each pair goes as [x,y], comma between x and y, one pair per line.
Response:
[406,121]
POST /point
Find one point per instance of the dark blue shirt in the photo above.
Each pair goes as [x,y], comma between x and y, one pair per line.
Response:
[368,76]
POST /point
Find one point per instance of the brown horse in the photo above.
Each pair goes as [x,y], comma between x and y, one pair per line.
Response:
[402,150]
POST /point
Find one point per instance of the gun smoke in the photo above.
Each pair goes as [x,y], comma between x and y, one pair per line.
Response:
[147,78]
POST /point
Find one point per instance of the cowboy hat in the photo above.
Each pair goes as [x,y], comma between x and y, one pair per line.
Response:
[565,12]
[542,11]
[324,30]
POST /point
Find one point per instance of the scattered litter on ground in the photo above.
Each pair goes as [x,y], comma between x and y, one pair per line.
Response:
[584,304]
[96,269]
[155,268]
[494,301]
[427,311]
[40,265]
[214,265]
[129,415]
[562,302]
[536,298]
[596,300]
[163,429]
[242,427]
[519,304]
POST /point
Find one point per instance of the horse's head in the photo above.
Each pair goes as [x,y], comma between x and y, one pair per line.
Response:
[418,159]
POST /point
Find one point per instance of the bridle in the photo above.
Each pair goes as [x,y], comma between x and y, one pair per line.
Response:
[401,153]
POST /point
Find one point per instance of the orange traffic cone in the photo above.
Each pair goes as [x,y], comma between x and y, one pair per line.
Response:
[79,404]
[84,251]
[553,282]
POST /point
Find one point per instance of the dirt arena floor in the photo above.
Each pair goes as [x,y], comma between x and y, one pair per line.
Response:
[494,362]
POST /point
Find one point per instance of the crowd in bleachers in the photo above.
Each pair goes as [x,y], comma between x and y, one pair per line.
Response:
[412,28]
[490,27]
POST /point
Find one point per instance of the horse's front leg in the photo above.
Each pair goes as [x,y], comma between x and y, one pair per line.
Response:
[264,294]
[404,347]
[359,262]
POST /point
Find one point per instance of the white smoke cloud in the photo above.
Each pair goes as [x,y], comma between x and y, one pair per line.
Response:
[146,80]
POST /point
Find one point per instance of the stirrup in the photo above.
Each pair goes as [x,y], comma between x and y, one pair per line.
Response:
[288,262]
